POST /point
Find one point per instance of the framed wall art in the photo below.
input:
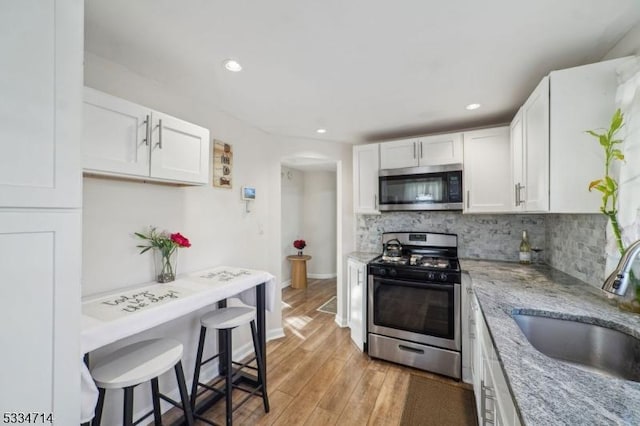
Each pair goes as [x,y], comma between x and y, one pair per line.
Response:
[222,164]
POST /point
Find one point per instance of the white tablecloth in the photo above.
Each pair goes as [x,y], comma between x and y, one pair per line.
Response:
[107,318]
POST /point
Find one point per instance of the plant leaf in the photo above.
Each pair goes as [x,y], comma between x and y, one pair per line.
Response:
[593,184]
[616,121]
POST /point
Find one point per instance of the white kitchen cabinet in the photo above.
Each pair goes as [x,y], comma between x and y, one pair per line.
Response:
[121,138]
[553,158]
[468,329]
[40,208]
[357,280]
[487,171]
[422,151]
[366,163]
[40,252]
[440,149]
[535,136]
[399,154]
[517,162]
[39,152]
[493,398]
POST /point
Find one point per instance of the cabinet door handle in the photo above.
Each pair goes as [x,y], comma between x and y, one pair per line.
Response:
[358,280]
[517,194]
[147,136]
[468,198]
[375,201]
[160,133]
[420,149]
[520,188]
[414,150]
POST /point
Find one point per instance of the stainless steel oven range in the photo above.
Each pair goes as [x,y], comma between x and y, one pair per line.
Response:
[414,302]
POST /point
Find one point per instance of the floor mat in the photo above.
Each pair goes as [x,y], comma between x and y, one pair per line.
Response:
[431,402]
[330,306]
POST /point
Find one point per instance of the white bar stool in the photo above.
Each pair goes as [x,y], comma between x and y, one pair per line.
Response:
[137,363]
[225,320]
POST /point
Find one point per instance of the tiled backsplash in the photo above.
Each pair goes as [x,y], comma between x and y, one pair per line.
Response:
[576,245]
[572,243]
[494,237]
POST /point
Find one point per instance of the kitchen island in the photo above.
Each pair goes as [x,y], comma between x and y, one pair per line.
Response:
[547,391]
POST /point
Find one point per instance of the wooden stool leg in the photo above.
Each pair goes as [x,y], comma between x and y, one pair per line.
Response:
[97,418]
[127,419]
[155,396]
[229,376]
[196,372]
[261,368]
[184,396]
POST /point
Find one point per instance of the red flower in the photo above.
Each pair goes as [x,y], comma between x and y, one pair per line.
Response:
[299,244]
[180,240]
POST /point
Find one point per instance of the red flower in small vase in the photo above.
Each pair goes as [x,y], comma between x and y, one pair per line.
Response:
[299,244]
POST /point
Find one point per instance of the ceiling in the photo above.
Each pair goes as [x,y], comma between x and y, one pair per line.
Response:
[362,69]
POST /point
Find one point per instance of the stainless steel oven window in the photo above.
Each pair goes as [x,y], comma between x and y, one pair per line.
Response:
[427,310]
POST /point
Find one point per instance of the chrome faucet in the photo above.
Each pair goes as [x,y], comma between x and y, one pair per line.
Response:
[618,281]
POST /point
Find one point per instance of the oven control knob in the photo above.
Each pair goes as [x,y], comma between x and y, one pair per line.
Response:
[431,276]
[443,276]
[382,271]
[393,272]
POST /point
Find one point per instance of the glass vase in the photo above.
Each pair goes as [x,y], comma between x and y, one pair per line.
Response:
[299,252]
[166,265]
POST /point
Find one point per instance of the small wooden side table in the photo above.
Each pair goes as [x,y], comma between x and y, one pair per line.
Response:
[299,271]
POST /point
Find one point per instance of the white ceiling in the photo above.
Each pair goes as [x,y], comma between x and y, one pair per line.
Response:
[364,69]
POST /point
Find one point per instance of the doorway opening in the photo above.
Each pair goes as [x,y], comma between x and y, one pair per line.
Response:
[311,199]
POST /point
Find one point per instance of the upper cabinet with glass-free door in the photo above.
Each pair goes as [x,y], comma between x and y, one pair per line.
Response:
[121,138]
[553,158]
[422,151]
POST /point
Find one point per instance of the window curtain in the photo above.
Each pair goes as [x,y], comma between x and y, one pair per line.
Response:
[628,172]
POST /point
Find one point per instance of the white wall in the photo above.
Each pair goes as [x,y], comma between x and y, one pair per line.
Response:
[213,219]
[292,198]
[628,45]
[319,222]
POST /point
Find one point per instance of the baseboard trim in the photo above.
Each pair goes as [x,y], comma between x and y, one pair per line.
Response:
[322,276]
[285,284]
[342,322]
[275,333]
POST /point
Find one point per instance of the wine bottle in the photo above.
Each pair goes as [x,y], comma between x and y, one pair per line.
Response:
[525,249]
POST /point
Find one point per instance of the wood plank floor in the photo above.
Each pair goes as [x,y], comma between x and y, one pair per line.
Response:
[316,375]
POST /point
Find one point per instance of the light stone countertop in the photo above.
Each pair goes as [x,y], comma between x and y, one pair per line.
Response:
[547,391]
[363,256]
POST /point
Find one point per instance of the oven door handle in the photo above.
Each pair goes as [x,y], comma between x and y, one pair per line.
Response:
[410,349]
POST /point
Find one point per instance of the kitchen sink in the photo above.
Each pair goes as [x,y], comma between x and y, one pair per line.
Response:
[586,346]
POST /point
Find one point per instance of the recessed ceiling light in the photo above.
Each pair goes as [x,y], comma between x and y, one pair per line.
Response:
[321,131]
[232,65]
[471,107]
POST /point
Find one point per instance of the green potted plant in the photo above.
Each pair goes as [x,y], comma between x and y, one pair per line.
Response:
[608,186]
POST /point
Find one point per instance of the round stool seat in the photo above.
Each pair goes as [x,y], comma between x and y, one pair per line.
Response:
[232,317]
[137,363]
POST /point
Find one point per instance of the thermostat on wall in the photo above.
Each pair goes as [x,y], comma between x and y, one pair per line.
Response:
[248,193]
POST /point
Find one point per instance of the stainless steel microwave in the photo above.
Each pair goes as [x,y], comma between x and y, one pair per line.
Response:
[421,188]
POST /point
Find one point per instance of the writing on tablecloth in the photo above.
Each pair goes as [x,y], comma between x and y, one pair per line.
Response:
[224,275]
[135,302]
[132,301]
